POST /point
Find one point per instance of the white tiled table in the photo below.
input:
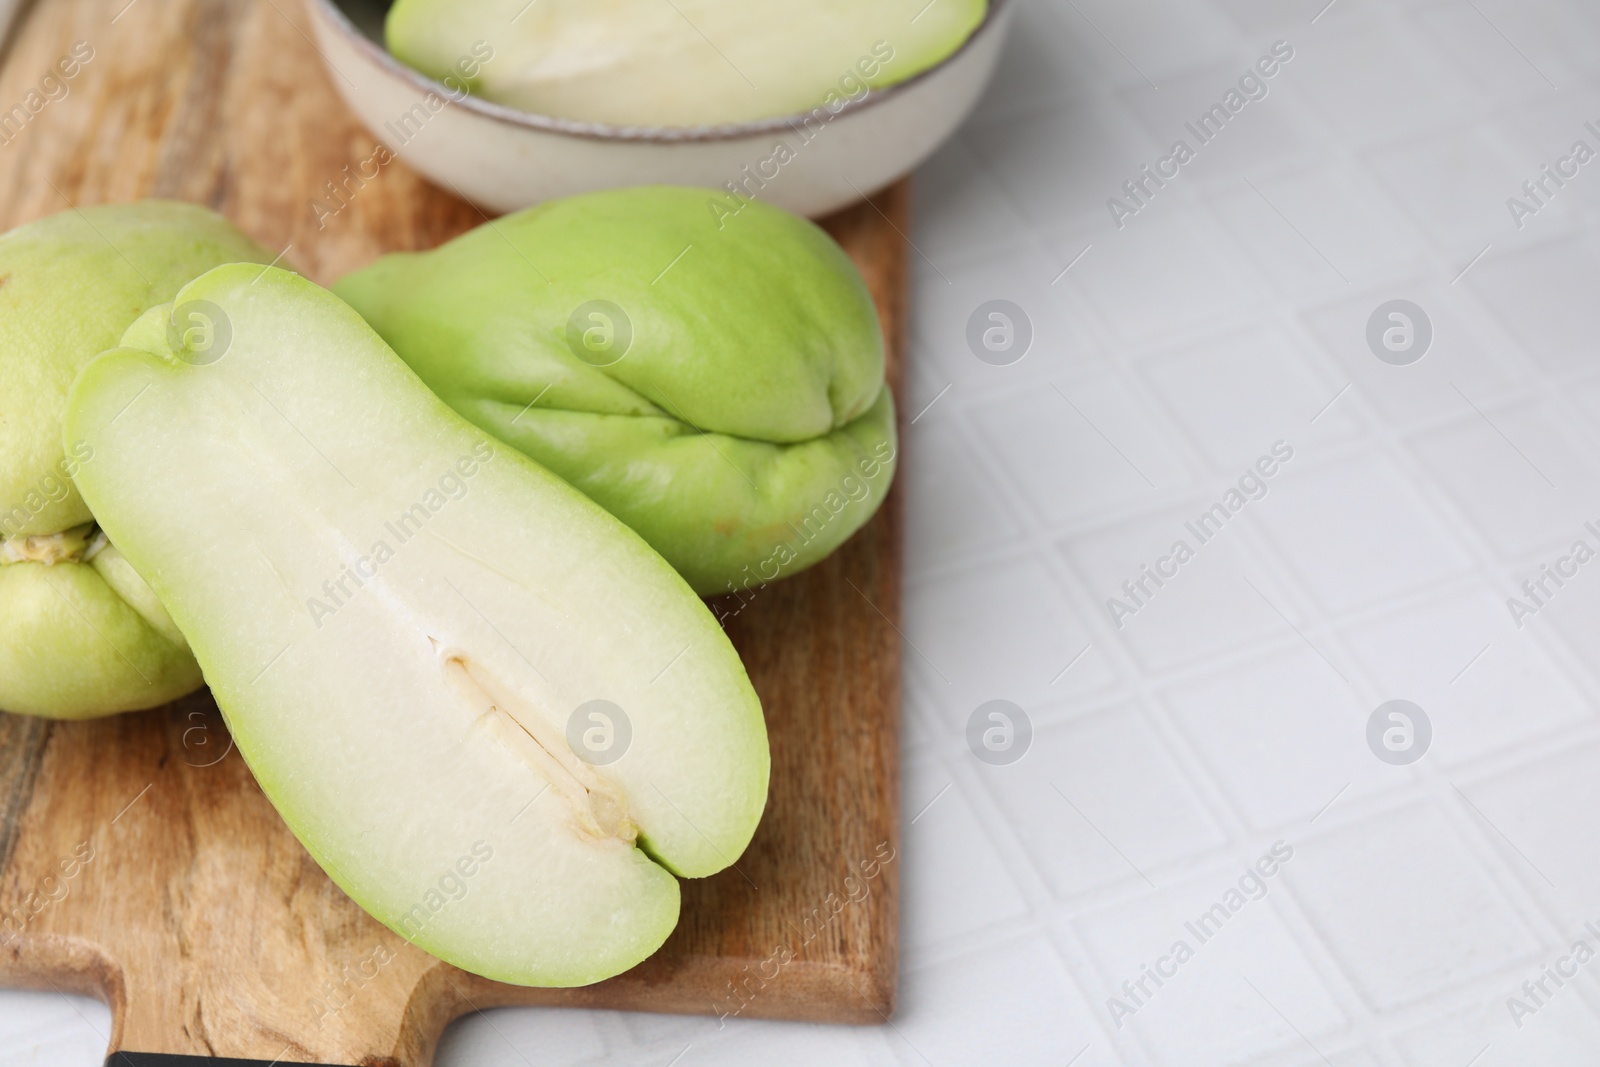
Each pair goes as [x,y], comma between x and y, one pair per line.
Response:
[1230,712]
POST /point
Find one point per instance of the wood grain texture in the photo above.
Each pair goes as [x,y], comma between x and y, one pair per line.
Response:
[195,914]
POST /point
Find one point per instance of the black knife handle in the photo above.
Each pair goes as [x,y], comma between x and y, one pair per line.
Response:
[162,1059]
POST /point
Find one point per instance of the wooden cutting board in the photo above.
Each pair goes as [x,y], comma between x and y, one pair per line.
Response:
[139,862]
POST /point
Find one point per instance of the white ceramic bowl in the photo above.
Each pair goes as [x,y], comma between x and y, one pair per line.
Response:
[504,159]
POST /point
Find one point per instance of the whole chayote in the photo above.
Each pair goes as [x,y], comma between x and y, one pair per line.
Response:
[81,634]
[714,381]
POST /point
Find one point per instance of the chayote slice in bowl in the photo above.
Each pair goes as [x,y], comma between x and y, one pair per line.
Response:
[715,381]
[677,62]
[81,634]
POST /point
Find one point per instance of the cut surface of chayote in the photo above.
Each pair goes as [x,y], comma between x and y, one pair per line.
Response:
[716,383]
[677,62]
[80,633]
[496,718]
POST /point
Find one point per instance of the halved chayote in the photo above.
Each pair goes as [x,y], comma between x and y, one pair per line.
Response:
[679,62]
[446,668]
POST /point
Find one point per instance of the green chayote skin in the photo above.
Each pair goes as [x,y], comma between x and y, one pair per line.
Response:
[717,383]
[81,634]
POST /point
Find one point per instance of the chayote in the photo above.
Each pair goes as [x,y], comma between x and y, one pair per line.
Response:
[715,382]
[678,62]
[81,634]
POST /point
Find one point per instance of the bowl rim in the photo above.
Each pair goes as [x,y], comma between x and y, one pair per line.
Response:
[602,131]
